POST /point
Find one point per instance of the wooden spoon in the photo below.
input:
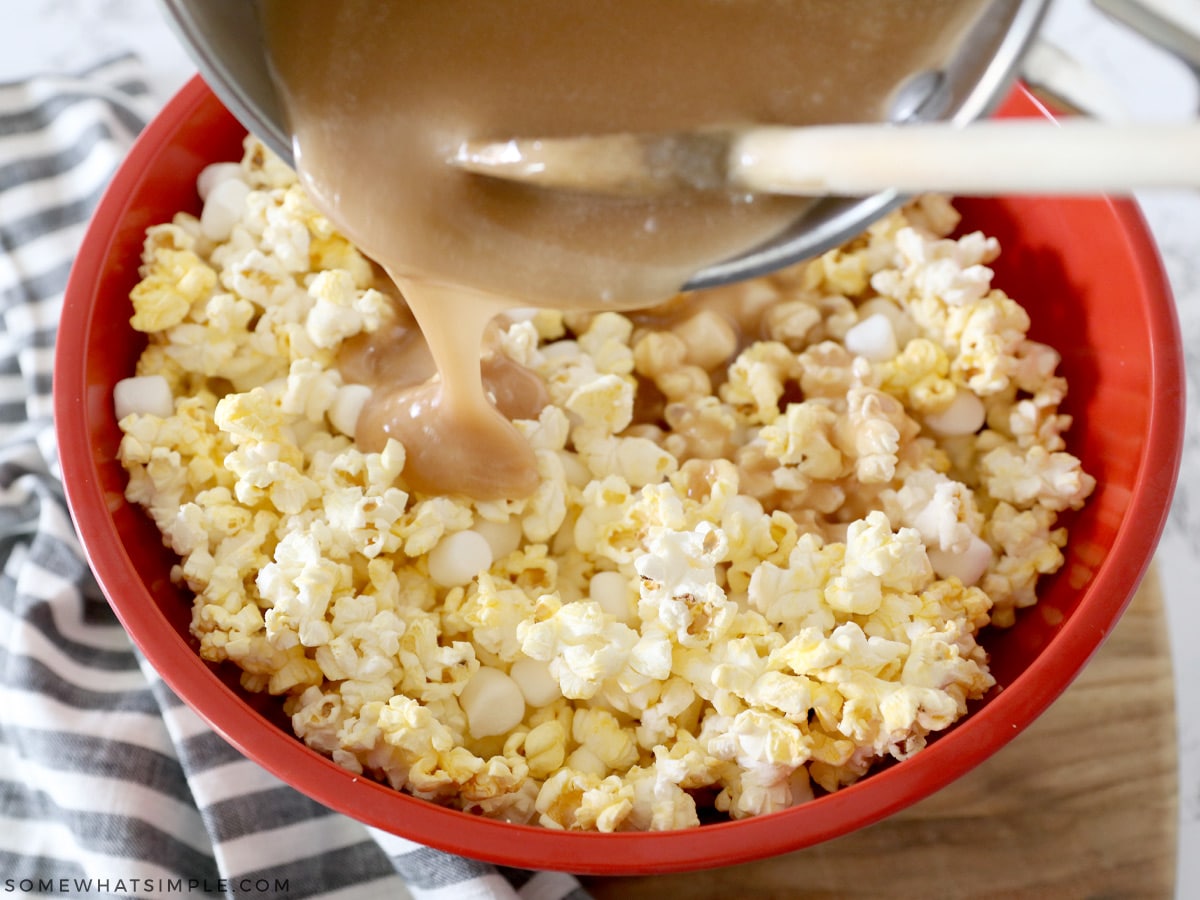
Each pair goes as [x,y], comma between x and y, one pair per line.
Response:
[984,158]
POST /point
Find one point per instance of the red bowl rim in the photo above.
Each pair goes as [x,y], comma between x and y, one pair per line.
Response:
[970,743]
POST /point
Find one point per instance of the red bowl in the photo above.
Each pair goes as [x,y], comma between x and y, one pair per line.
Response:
[1086,269]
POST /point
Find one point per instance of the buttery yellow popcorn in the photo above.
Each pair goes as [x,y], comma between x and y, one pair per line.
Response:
[756,381]
[172,280]
[770,524]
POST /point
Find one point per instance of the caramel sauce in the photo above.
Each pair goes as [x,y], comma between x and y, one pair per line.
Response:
[379,96]
[395,354]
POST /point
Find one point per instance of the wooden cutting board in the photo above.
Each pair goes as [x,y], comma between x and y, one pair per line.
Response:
[1083,804]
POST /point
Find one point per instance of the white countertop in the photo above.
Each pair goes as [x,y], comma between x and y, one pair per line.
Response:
[1125,76]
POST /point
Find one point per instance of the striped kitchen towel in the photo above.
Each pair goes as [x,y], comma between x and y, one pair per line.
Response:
[109,785]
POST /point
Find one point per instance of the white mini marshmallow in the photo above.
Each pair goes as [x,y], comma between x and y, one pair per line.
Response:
[493,703]
[502,537]
[584,760]
[223,209]
[215,174]
[346,406]
[458,558]
[903,326]
[146,395]
[873,338]
[611,590]
[965,415]
[537,684]
[967,566]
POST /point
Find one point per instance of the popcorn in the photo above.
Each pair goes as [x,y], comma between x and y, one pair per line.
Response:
[919,375]
[990,333]
[582,644]
[659,804]
[544,749]
[791,597]
[679,589]
[604,404]
[942,510]
[828,370]
[767,750]
[490,610]
[561,799]
[341,310]
[791,322]
[606,342]
[603,735]
[710,338]
[769,526]
[757,379]
[261,279]
[1052,480]
[662,357]
[173,280]
[803,439]
[1028,547]
[873,433]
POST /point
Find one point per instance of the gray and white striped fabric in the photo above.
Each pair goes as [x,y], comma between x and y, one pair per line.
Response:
[109,786]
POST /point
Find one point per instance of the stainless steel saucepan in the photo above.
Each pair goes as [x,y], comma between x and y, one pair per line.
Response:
[224,39]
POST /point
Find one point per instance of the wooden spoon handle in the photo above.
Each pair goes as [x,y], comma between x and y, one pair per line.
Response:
[986,158]
[1005,156]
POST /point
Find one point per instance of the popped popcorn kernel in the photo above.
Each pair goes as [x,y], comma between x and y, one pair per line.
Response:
[172,281]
